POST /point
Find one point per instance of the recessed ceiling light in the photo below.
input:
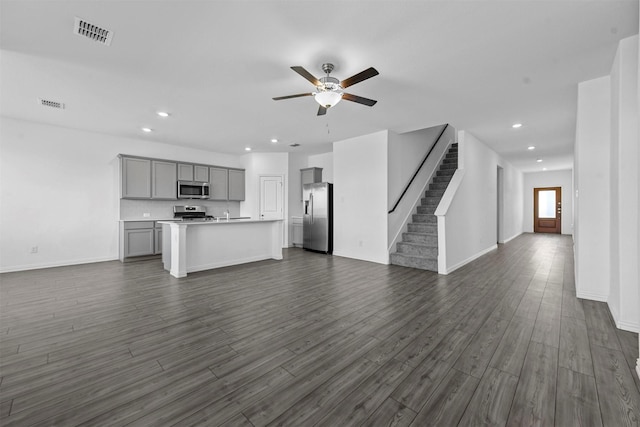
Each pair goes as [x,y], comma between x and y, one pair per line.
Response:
[274,140]
[247,149]
[147,130]
[162,114]
[517,125]
[539,160]
[531,147]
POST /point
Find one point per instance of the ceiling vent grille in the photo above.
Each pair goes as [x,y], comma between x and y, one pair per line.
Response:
[93,32]
[52,104]
[295,144]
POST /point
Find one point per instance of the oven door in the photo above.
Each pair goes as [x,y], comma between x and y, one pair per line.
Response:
[193,190]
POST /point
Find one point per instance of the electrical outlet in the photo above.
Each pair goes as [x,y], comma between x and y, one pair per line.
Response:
[34,250]
[146,215]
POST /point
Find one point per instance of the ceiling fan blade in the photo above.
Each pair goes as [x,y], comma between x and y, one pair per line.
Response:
[307,75]
[322,111]
[363,75]
[292,96]
[359,99]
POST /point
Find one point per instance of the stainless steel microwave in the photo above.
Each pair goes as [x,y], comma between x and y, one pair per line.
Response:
[193,190]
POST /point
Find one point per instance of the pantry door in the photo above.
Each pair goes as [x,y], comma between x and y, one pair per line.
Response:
[547,210]
[271,197]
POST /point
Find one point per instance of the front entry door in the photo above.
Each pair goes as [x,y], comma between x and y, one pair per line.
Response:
[547,210]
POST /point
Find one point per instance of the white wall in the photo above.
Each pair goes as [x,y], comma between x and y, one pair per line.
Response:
[324,161]
[513,194]
[60,191]
[470,210]
[406,152]
[296,162]
[360,197]
[606,181]
[591,184]
[562,179]
[259,164]
[624,278]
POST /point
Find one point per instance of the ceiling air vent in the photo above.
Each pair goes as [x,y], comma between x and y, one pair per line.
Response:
[50,103]
[93,32]
[295,144]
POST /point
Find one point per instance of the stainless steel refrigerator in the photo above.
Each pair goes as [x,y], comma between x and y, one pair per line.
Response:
[317,224]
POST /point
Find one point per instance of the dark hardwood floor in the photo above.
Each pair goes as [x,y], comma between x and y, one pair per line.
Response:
[315,340]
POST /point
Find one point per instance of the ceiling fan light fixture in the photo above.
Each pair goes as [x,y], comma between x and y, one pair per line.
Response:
[327,98]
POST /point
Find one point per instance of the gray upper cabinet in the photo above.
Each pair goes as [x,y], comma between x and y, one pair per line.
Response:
[189,172]
[136,178]
[309,176]
[236,184]
[144,178]
[219,181]
[164,180]
[201,173]
[185,172]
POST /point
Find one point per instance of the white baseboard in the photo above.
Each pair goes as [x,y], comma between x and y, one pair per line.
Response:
[468,260]
[628,326]
[210,266]
[592,296]
[511,238]
[66,263]
[620,324]
[351,256]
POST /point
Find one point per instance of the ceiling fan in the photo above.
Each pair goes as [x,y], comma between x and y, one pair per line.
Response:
[329,90]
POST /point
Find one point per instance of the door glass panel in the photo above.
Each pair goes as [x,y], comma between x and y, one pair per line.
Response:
[547,204]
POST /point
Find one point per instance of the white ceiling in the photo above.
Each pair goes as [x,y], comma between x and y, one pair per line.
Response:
[215,65]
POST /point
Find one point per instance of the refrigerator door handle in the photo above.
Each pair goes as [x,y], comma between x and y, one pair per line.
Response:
[311,203]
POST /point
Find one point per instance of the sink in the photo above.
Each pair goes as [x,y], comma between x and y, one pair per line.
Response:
[233,218]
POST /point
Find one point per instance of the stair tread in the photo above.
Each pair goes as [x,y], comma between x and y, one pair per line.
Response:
[425,245]
[415,256]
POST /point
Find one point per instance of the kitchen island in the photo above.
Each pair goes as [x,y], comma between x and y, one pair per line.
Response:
[196,246]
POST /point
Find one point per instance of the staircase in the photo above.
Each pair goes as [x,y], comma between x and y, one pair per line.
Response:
[419,245]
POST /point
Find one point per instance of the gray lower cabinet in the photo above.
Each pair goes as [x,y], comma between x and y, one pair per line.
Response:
[236,184]
[136,178]
[158,239]
[164,180]
[140,238]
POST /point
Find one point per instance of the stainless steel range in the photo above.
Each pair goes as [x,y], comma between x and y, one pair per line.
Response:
[191,213]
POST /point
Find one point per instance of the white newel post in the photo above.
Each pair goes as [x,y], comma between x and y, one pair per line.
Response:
[178,250]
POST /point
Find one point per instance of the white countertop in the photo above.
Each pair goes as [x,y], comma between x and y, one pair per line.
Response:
[145,219]
[218,222]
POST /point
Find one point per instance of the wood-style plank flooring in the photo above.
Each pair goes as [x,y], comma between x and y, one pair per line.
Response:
[315,340]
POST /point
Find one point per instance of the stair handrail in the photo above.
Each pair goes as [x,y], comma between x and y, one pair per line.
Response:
[418,170]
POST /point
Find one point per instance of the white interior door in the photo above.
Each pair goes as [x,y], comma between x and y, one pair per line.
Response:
[271,197]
